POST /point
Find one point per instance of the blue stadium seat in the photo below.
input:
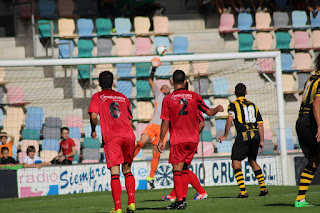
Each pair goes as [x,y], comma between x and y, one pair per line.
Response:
[35,112]
[85,27]
[286,61]
[122,25]
[124,70]
[204,86]
[220,86]
[162,40]
[299,19]
[47,8]
[245,22]
[143,69]
[44,28]
[87,131]
[74,132]
[164,69]
[125,87]
[290,145]
[224,147]
[32,123]
[208,103]
[51,144]
[315,21]
[180,45]
[1,117]
[64,48]
[220,124]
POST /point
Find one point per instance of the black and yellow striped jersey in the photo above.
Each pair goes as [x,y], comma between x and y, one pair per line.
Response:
[246,117]
[310,91]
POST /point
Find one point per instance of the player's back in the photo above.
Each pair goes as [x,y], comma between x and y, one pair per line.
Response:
[115,114]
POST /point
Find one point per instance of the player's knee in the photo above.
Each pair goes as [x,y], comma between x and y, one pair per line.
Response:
[236,164]
[126,167]
[156,154]
[185,166]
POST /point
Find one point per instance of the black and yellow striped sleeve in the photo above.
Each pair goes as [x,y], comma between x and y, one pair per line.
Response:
[258,116]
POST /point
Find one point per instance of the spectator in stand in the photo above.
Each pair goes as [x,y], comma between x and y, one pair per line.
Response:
[236,5]
[4,142]
[6,160]
[313,6]
[32,160]
[67,149]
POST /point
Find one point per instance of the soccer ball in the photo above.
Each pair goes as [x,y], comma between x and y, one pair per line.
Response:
[161,50]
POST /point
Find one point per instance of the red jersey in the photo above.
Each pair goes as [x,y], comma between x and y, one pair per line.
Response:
[66,147]
[181,108]
[115,114]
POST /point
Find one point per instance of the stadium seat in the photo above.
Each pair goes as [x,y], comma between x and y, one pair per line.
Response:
[301,39]
[51,144]
[140,129]
[207,151]
[162,40]
[141,25]
[104,26]
[208,103]
[1,117]
[286,61]
[207,125]
[73,121]
[283,40]
[124,70]
[51,133]
[53,122]
[268,147]
[264,41]
[299,19]
[161,24]
[25,9]
[12,127]
[66,8]
[35,112]
[280,19]
[122,25]
[84,71]
[78,144]
[87,131]
[74,132]
[204,86]
[263,20]
[200,67]
[102,67]
[143,45]
[180,45]
[316,38]
[164,69]
[15,114]
[303,61]
[265,64]
[226,23]
[91,154]
[160,83]
[15,94]
[85,48]
[315,21]
[145,110]
[91,143]
[21,156]
[245,41]
[207,136]
[2,74]
[76,158]
[143,69]
[44,28]
[87,8]
[66,28]
[143,89]
[267,133]
[182,65]
[47,155]
[64,48]
[223,102]
[221,133]
[290,145]
[31,134]
[123,46]
[1,95]
[85,27]
[287,82]
[125,87]
[245,22]
[224,147]
[302,79]
[26,143]
[220,86]
[104,46]
[47,8]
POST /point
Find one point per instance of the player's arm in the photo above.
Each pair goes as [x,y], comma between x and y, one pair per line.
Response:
[155,64]
[93,123]
[212,111]
[163,131]
[227,128]
[12,138]
[316,113]
[201,126]
[261,133]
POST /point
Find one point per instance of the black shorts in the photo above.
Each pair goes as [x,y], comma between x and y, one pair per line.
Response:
[307,130]
[242,149]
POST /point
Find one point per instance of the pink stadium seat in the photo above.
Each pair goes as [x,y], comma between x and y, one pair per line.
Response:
[263,20]
[140,128]
[226,23]
[207,147]
[316,39]
[143,46]
[303,61]
[77,142]
[264,41]
[90,161]
[123,46]
[265,64]
[15,94]
[74,121]
[161,24]
[267,134]
[301,39]
[200,67]
[160,83]
[21,156]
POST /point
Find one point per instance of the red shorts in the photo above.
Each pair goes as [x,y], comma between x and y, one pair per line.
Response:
[153,131]
[119,151]
[182,152]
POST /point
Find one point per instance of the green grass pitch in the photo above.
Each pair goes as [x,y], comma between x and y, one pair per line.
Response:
[221,199]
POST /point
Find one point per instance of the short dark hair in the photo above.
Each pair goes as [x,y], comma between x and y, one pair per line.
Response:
[179,77]
[317,62]
[240,90]
[31,149]
[4,133]
[186,86]
[4,149]
[64,128]
[106,79]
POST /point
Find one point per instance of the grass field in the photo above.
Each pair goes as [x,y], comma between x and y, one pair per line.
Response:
[221,199]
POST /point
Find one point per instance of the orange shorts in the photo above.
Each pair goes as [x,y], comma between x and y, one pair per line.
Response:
[153,131]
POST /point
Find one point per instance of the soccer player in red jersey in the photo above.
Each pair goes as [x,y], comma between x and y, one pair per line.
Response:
[118,138]
[180,112]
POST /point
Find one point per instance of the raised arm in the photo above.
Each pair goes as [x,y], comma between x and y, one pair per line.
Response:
[155,64]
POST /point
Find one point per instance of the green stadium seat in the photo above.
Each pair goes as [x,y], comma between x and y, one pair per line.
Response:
[84,71]
[92,143]
[44,28]
[104,26]
[143,69]
[143,89]
[85,48]
[283,40]
[245,41]
[31,134]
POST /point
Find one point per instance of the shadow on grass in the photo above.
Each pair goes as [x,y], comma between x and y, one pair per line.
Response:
[159,208]
[279,204]
[223,198]
[152,200]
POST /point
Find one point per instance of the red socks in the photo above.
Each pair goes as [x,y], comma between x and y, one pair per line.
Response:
[194,181]
[130,186]
[185,176]
[178,184]
[116,191]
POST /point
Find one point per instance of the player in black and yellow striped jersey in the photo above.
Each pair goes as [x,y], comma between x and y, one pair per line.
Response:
[249,125]
[308,131]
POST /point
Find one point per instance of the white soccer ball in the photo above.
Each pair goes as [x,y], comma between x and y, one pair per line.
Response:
[161,50]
